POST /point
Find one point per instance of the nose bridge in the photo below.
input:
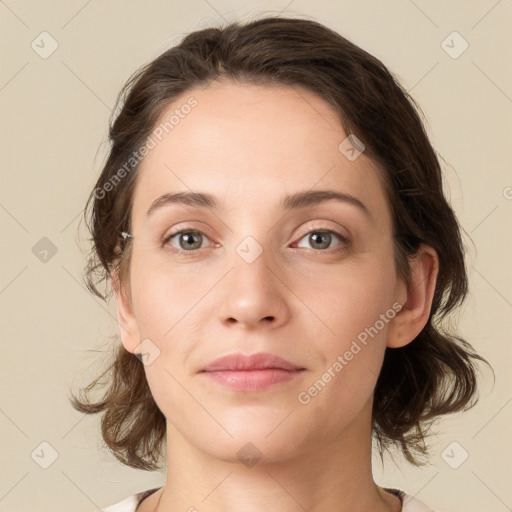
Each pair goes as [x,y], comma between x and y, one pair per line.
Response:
[252,266]
[252,242]
[253,290]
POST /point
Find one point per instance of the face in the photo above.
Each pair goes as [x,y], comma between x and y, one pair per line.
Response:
[312,281]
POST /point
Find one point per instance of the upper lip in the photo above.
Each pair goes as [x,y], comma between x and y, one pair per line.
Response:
[241,362]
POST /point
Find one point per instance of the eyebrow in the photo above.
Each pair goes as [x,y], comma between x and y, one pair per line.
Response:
[291,202]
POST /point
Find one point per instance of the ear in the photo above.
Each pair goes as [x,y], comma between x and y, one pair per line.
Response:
[416,299]
[125,318]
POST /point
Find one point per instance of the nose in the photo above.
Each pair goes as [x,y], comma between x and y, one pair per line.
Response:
[254,293]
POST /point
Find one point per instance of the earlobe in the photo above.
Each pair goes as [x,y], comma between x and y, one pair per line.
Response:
[127,323]
[415,311]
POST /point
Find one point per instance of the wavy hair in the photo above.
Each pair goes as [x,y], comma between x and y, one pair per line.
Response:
[435,374]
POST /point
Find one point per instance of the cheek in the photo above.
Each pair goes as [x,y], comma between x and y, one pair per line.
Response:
[352,309]
[166,385]
[163,298]
[355,316]
[347,298]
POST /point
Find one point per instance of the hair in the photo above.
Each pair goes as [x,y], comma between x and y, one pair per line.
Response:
[433,375]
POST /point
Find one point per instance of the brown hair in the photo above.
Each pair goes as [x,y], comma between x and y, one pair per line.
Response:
[433,375]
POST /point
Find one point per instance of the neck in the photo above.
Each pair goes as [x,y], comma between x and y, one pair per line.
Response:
[329,474]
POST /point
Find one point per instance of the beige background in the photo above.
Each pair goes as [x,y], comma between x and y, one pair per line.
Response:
[54,115]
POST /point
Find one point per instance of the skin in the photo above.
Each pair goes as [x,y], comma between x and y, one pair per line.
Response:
[249,146]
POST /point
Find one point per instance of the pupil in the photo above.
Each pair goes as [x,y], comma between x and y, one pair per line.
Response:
[189,240]
[317,236]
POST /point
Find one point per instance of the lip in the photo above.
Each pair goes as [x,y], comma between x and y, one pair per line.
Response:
[259,361]
[251,373]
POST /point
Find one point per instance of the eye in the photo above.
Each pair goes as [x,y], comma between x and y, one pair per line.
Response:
[187,239]
[321,239]
[190,240]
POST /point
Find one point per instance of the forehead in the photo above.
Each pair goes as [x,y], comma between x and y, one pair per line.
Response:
[248,143]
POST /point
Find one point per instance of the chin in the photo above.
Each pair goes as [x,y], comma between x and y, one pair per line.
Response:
[252,445]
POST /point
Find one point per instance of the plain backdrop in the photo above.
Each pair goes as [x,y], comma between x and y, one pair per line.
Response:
[62,66]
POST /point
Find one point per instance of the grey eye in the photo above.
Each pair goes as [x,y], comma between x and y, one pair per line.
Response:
[187,240]
[320,239]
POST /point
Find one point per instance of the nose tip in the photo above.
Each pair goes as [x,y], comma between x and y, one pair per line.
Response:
[253,295]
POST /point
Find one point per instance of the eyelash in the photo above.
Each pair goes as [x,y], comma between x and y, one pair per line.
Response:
[343,239]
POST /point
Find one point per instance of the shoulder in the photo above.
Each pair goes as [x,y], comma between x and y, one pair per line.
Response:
[127,505]
[409,502]
[130,503]
[412,504]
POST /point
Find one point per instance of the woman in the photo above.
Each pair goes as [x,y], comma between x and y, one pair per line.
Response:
[272,221]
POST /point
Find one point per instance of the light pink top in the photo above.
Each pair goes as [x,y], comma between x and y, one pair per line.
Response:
[130,504]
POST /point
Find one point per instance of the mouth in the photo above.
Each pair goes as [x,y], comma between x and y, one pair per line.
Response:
[252,380]
[251,373]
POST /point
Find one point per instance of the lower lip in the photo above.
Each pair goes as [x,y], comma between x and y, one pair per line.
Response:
[252,380]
